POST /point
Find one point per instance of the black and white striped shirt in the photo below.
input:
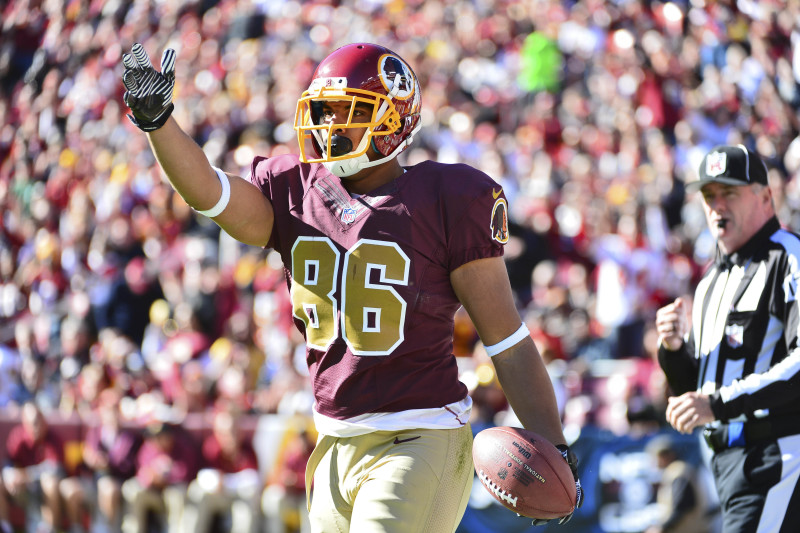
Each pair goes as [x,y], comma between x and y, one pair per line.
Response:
[743,346]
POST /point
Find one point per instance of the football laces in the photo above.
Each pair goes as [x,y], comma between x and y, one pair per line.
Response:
[500,493]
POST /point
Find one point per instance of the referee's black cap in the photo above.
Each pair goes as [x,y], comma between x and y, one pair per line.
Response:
[731,165]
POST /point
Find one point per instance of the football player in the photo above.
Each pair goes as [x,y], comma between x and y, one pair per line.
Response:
[378,259]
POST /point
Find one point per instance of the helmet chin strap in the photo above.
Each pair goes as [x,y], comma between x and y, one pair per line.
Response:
[348,167]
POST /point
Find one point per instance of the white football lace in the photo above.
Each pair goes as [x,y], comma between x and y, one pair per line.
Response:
[500,493]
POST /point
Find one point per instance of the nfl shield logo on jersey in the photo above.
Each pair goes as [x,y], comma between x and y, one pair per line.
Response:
[715,163]
[348,215]
[734,335]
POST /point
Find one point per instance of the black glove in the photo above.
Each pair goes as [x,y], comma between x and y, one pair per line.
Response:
[149,92]
[572,461]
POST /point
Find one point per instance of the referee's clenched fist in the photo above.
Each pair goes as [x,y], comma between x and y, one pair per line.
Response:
[671,324]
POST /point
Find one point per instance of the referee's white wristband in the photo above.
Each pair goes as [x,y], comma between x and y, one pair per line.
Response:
[509,341]
[223,199]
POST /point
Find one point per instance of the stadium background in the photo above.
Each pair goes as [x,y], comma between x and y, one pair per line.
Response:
[591,115]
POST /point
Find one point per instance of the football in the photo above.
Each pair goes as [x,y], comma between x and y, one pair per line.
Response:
[525,472]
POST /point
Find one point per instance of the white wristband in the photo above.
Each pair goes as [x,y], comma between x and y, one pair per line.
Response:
[508,342]
[223,199]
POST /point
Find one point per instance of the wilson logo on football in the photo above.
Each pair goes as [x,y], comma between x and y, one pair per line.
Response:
[525,453]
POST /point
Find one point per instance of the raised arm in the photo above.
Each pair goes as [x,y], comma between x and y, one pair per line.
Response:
[247,215]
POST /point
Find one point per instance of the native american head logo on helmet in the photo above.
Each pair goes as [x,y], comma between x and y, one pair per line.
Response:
[361,74]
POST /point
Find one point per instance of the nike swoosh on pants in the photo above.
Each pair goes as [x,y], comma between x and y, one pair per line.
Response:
[400,441]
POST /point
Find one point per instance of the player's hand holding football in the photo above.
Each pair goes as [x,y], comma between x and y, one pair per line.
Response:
[572,461]
[148,92]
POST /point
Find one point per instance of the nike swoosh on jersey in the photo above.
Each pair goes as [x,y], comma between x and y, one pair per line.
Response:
[400,441]
[496,194]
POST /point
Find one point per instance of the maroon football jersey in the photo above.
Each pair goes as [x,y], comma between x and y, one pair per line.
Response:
[370,277]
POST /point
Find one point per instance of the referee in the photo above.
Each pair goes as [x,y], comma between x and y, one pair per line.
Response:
[736,370]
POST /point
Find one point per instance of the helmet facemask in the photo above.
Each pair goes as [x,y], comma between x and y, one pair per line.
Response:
[330,151]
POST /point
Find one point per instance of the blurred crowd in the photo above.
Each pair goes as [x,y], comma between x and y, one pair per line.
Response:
[591,114]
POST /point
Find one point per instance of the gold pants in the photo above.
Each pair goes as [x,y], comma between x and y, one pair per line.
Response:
[387,481]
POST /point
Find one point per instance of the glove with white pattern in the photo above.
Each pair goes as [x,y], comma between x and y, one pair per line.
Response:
[572,461]
[148,92]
